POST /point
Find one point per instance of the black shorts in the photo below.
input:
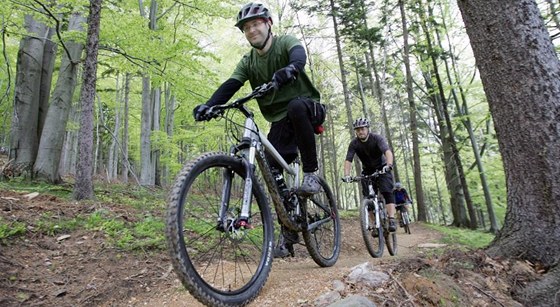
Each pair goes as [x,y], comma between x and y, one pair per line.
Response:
[385,184]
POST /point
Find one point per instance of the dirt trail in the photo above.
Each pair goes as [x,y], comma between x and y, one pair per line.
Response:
[84,268]
[297,281]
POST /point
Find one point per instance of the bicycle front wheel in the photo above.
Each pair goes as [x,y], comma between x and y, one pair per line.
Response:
[219,262]
[390,239]
[406,222]
[322,234]
[373,236]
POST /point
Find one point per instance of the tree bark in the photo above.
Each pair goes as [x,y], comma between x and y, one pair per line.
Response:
[25,128]
[52,138]
[463,111]
[344,83]
[83,188]
[445,111]
[126,163]
[520,73]
[420,204]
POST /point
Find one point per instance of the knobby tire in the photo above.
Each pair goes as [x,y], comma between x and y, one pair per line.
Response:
[322,236]
[218,267]
[406,222]
[374,245]
[390,239]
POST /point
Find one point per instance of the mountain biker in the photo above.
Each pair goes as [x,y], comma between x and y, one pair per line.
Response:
[402,200]
[294,105]
[375,154]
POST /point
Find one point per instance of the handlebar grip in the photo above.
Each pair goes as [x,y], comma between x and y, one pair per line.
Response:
[213,112]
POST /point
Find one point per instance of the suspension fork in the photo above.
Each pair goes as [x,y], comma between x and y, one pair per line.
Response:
[376,210]
[249,164]
[247,159]
[227,178]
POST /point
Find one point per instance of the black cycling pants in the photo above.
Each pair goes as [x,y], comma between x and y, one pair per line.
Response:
[295,132]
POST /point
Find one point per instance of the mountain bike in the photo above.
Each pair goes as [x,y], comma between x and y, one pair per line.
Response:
[374,220]
[219,225]
[404,218]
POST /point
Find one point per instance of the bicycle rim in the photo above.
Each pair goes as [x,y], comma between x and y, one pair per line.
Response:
[390,240]
[373,237]
[218,267]
[322,236]
[406,223]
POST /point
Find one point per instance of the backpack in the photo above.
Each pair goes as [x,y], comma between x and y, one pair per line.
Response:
[318,113]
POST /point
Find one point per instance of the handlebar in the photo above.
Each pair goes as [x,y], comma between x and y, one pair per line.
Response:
[217,110]
[359,178]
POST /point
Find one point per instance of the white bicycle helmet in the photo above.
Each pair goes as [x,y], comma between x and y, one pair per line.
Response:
[360,122]
[251,11]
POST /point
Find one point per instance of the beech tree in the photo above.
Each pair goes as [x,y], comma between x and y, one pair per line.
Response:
[83,189]
[51,143]
[520,73]
[34,71]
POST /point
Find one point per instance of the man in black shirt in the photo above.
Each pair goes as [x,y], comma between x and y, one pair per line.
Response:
[375,154]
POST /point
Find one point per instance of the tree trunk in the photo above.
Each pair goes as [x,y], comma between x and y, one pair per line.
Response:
[421,206]
[52,138]
[126,163]
[156,127]
[463,112]
[25,129]
[520,75]
[456,197]
[70,148]
[114,152]
[445,110]
[83,188]
[344,82]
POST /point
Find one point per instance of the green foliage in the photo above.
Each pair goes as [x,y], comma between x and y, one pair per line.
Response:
[50,224]
[134,196]
[149,234]
[10,229]
[471,239]
[24,186]
[141,230]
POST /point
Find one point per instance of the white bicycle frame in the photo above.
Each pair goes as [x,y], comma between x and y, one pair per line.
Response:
[372,196]
[258,141]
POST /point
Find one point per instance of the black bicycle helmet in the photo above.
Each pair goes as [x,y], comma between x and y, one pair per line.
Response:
[251,11]
[360,122]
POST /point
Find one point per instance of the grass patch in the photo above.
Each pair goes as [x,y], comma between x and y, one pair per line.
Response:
[473,239]
[10,229]
[144,229]
[147,233]
[50,224]
[23,186]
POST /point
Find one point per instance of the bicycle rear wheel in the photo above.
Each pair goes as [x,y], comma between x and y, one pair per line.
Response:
[373,236]
[322,236]
[219,263]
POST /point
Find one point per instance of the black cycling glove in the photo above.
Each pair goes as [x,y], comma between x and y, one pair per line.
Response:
[199,112]
[284,75]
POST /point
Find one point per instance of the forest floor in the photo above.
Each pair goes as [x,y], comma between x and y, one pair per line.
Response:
[81,268]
